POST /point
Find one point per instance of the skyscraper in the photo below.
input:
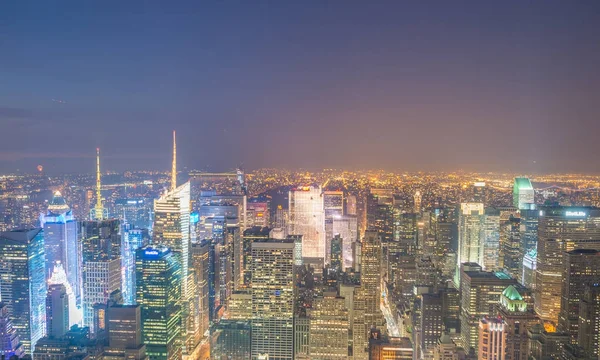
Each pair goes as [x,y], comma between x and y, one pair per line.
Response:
[158,292]
[589,320]
[329,326]
[581,269]
[133,239]
[57,311]
[60,240]
[523,194]
[9,340]
[470,235]
[480,294]
[172,229]
[23,283]
[560,229]
[273,299]
[201,265]
[368,295]
[58,277]
[516,310]
[492,339]
[307,219]
[101,264]
[124,327]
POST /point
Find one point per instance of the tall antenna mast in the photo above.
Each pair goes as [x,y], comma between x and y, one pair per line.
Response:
[99,210]
[174,165]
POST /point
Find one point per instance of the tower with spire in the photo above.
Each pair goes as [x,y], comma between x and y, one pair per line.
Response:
[98,212]
[172,229]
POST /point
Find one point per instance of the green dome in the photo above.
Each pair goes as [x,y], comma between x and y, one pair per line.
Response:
[512,293]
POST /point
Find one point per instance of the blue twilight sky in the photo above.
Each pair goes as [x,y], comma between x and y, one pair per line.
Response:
[402,85]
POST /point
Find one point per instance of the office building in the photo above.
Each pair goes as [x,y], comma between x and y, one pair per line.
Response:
[516,310]
[347,227]
[307,218]
[529,269]
[158,292]
[9,340]
[231,339]
[445,349]
[492,339]
[101,264]
[57,311]
[560,229]
[480,294]
[201,265]
[431,321]
[471,222]
[491,241]
[581,269]
[512,250]
[523,194]
[333,207]
[382,347]
[273,299]
[329,327]
[23,283]
[60,240]
[133,239]
[59,277]
[589,320]
[545,343]
[124,328]
[172,220]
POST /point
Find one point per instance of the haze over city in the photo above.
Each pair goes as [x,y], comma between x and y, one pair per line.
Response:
[503,86]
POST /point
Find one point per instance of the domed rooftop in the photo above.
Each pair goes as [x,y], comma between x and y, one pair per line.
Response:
[512,293]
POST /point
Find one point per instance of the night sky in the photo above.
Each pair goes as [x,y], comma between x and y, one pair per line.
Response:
[399,85]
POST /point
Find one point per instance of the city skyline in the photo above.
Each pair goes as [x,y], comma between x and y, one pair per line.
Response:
[428,86]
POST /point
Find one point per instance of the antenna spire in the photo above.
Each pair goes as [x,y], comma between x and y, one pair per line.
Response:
[98,209]
[174,165]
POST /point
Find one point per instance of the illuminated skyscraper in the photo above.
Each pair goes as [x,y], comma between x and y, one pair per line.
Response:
[382,347]
[9,340]
[512,249]
[230,339]
[307,218]
[124,327]
[273,299]
[470,235]
[516,310]
[57,311]
[347,227]
[158,288]
[560,229]
[523,193]
[333,206]
[581,269]
[172,229]
[58,277]
[480,294]
[133,239]
[492,339]
[60,240]
[368,295]
[589,320]
[329,326]
[23,283]
[201,264]
[101,264]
